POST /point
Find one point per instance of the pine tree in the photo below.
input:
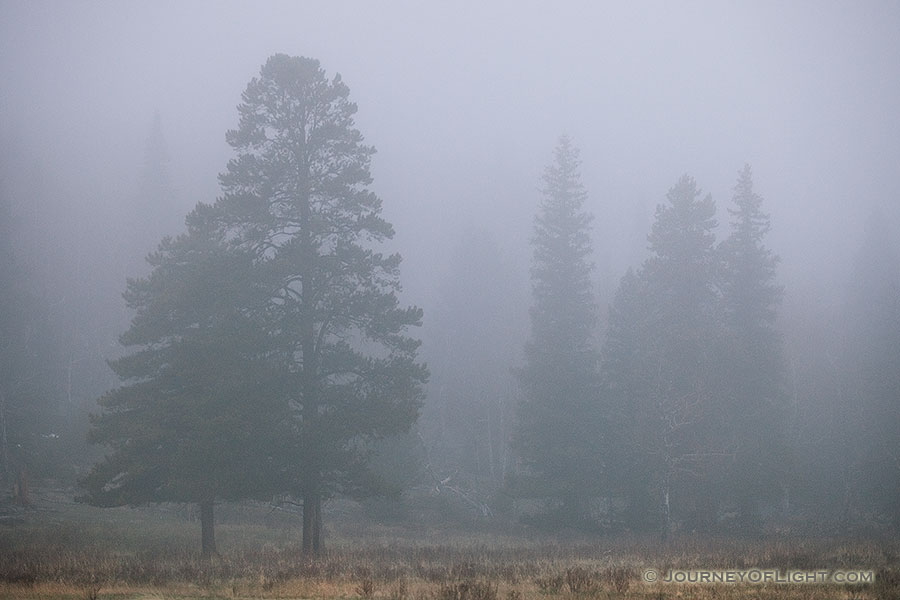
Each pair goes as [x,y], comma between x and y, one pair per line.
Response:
[559,432]
[188,423]
[296,196]
[754,363]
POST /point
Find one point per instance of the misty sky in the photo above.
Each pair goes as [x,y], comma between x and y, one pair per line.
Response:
[464,103]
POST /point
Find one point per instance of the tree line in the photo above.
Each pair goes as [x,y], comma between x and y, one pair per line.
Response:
[269,353]
[683,409]
[687,413]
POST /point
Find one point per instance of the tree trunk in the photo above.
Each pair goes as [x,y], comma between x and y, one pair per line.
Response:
[307,523]
[207,528]
[309,379]
[747,515]
[318,536]
[3,440]
[312,523]
[21,487]
[666,520]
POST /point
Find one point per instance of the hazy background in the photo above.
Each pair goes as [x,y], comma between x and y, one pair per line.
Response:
[464,102]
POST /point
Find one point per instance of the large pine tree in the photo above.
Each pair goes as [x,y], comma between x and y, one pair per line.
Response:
[559,434]
[296,196]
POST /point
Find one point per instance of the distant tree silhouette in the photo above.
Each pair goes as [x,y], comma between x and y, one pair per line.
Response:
[753,360]
[559,434]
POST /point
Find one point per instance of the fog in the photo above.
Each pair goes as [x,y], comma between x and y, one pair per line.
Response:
[464,103]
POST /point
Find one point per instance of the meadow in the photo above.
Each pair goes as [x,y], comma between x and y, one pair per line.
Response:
[57,549]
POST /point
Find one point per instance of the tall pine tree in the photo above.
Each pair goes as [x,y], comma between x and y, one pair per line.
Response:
[753,359]
[296,197]
[559,432]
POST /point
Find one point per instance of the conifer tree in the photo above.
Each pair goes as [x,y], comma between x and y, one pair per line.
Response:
[188,423]
[296,197]
[559,432]
[753,359]
[659,368]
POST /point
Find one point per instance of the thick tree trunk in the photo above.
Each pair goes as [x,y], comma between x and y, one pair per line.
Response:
[207,528]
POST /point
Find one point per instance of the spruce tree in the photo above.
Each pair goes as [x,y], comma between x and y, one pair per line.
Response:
[559,437]
[188,423]
[753,359]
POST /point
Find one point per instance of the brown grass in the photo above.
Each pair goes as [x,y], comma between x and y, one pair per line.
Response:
[119,555]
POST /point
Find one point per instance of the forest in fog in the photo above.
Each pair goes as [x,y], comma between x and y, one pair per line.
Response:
[597,268]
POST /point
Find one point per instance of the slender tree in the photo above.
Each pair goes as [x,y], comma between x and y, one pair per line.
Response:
[559,419]
[296,197]
[753,359]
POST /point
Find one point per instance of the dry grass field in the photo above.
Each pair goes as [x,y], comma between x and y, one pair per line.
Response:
[77,552]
